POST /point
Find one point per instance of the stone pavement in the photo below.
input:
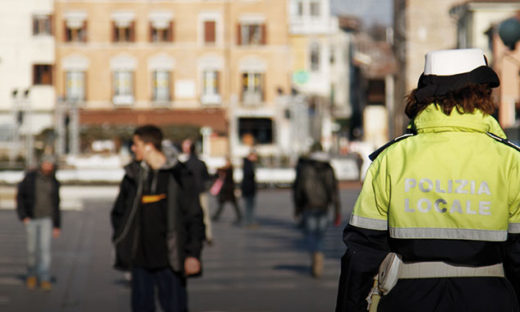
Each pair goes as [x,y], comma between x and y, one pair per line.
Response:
[250,270]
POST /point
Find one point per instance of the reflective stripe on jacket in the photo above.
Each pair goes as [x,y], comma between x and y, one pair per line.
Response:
[427,186]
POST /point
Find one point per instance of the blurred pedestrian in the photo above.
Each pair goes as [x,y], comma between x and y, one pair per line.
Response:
[157,223]
[314,190]
[248,187]
[38,207]
[201,178]
[227,192]
[437,220]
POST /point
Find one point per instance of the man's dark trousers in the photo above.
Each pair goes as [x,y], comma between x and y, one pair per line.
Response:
[171,290]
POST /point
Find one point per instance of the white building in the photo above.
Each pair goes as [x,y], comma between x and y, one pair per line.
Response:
[27,57]
[321,54]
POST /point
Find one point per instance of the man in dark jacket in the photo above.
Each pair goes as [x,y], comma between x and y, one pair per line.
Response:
[201,177]
[38,202]
[248,187]
[315,189]
[157,222]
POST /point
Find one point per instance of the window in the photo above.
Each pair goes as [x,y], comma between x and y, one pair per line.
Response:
[76,32]
[210,87]
[260,128]
[42,25]
[123,87]
[161,34]
[315,9]
[42,74]
[299,8]
[75,85]
[123,32]
[210,35]
[315,57]
[332,58]
[252,88]
[251,34]
[161,86]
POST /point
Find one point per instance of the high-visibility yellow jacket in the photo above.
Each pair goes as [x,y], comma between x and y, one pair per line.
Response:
[451,181]
[449,193]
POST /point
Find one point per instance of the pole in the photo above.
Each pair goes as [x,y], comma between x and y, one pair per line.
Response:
[60,129]
[29,136]
[74,128]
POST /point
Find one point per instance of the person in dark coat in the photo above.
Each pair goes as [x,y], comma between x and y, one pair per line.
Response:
[201,176]
[248,187]
[38,207]
[227,192]
[157,223]
[315,189]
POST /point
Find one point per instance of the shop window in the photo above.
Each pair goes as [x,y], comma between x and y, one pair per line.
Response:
[260,128]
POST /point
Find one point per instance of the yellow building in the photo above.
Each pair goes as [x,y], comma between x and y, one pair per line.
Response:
[205,63]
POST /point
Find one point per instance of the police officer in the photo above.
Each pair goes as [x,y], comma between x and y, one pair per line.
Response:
[441,203]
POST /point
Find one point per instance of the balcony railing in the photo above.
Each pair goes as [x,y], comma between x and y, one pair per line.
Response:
[251,98]
[123,99]
[211,99]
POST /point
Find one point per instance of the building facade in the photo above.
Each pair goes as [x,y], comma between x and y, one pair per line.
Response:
[320,66]
[27,58]
[212,64]
[478,22]
[419,26]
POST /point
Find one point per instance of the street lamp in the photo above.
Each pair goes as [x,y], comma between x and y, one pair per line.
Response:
[509,32]
[22,111]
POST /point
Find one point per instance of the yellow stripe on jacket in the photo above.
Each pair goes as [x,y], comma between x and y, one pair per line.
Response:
[148,199]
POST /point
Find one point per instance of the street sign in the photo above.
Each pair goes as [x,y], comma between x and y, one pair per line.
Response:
[300,77]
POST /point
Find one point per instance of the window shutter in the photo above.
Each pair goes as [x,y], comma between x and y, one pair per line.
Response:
[243,85]
[66,34]
[85,85]
[171,29]
[114,32]
[132,76]
[51,24]
[172,87]
[85,31]
[35,25]
[262,85]
[50,74]
[132,31]
[264,34]
[209,32]
[239,34]
[35,74]
[150,32]
[217,82]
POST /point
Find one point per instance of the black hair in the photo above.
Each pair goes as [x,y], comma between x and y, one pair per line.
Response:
[150,134]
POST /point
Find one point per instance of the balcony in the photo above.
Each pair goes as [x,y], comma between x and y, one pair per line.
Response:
[211,99]
[252,98]
[123,100]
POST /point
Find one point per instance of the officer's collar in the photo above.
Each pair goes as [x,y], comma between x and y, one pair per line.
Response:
[433,119]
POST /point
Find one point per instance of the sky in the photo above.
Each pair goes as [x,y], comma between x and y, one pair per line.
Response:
[370,11]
